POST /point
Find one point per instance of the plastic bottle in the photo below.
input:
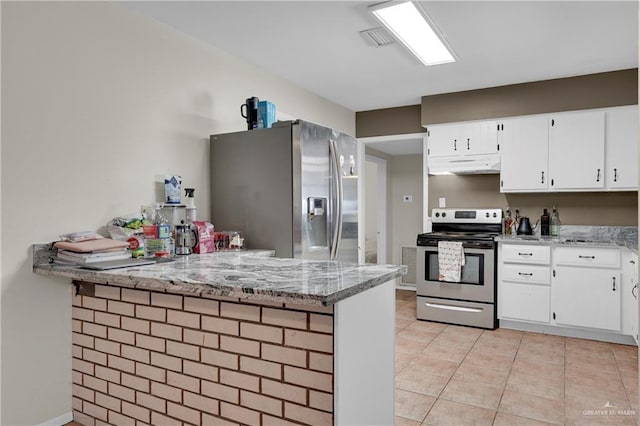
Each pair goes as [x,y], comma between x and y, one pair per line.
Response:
[508,223]
[555,222]
[544,223]
[191,211]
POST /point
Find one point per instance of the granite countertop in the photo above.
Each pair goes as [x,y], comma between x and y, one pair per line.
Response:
[246,274]
[603,236]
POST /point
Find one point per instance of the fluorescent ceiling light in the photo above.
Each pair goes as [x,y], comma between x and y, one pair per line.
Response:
[410,26]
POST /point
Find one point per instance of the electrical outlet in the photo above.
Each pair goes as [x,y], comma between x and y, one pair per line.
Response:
[442,202]
[407,198]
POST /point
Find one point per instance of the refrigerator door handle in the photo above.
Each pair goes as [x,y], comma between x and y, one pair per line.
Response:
[337,198]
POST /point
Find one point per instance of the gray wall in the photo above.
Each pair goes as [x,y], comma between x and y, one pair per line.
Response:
[405,173]
[562,94]
[593,208]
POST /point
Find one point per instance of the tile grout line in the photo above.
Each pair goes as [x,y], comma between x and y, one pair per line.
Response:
[448,380]
[507,381]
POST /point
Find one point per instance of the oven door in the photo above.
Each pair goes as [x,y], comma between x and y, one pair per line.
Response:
[477,283]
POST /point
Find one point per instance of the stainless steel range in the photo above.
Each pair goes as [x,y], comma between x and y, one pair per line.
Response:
[472,300]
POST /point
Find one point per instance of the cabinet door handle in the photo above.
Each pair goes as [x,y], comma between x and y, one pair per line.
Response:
[633,262]
[614,283]
[598,176]
[468,144]
[525,274]
[634,291]
[525,254]
[455,144]
[542,177]
[586,257]
[615,175]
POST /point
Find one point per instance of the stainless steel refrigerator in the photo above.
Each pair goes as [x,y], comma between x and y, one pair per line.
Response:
[292,188]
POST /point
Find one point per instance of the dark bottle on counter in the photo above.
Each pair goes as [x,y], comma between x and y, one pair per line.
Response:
[544,223]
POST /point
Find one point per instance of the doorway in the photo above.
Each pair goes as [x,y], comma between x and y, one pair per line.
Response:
[375,187]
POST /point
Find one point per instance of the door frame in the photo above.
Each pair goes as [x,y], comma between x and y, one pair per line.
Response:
[381,226]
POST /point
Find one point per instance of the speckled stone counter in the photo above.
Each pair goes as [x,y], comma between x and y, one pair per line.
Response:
[622,236]
[253,274]
[232,338]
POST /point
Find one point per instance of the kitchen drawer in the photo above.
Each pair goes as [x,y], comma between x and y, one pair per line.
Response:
[587,256]
[456,312]
[526,273]
[527,302]
[523,253]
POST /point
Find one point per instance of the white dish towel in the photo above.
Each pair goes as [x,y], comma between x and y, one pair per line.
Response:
[450,260]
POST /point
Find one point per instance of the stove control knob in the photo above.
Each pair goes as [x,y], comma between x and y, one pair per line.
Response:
[487,214]
[495,214]
[444,214]
[437,214]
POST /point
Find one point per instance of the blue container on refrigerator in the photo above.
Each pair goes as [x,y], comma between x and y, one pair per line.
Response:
[266,114]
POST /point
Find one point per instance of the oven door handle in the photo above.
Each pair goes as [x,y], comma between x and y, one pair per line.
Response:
[453,308]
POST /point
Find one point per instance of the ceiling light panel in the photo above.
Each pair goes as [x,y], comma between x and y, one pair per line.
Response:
[408,25]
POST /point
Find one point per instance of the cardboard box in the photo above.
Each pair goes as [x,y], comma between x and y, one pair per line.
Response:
[266,114]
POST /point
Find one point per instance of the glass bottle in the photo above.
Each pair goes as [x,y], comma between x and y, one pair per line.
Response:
[508,222]
[555,222]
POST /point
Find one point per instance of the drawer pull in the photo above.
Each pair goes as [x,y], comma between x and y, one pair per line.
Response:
[525,274]
[614,283]
[525,254]
[453,308]
[586,257]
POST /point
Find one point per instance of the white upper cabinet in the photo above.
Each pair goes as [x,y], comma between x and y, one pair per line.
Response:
[621,157]
[444,140]
[480,137]
[576,151]
[472,138]
[524,147]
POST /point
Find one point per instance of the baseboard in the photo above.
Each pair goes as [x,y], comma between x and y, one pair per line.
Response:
[405,287]
[569,332]
[60,420]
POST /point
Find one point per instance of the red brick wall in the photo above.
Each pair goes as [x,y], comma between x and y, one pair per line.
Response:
[142,357]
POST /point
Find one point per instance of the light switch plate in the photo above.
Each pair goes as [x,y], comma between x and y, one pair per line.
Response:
[442,202]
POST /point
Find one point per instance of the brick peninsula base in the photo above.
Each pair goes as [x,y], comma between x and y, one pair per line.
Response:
[232,338]
[155,358]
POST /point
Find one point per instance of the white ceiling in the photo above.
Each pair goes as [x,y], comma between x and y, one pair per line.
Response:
[316,44]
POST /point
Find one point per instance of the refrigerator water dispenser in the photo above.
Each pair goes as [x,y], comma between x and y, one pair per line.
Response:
[317,221]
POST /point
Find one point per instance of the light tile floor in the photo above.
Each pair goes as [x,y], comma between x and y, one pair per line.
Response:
[453,375]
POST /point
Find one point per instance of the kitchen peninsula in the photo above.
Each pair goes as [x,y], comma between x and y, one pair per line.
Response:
[235,336]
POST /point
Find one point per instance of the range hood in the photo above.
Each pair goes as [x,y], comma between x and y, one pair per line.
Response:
[464,165]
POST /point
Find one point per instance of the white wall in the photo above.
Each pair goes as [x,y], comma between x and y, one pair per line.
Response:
[97,103]
[371,210]
[405,173]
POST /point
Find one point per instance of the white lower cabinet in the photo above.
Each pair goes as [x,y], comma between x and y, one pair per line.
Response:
[589,289]
[630,294]
[587,297]
[523,282]
[586,287]
[529,302]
